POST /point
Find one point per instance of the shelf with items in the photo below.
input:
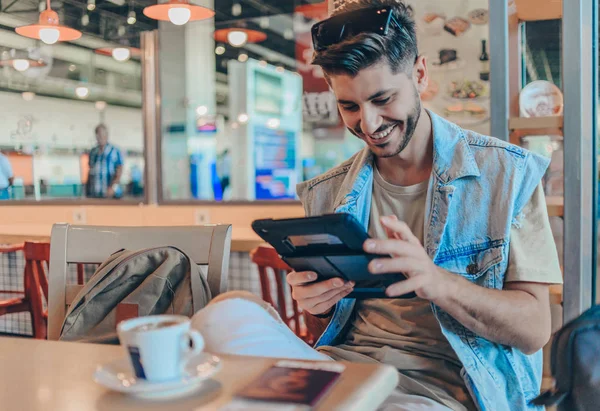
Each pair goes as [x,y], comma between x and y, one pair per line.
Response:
[520,127]
[532,123]
[531,126]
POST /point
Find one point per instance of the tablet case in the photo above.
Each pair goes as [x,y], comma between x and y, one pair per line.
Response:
[330,245]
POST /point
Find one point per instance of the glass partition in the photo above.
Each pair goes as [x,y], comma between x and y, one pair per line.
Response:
[71,111]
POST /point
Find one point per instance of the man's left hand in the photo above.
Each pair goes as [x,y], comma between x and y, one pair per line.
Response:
[409,257]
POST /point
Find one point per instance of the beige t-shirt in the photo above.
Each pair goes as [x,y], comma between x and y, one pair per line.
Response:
[404,332]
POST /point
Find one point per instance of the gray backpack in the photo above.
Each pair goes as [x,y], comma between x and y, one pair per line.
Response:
[576,365]
[162,280]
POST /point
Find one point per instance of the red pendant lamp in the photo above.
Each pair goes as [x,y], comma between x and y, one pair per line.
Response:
[239,36]
[48,28]
[178,12]
[120,53]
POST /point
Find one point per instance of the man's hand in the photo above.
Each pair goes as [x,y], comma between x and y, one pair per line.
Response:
[317,298]
[426,279]
[517,316]
[110,193]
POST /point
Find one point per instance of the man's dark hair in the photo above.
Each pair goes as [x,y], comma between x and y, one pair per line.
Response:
[398,47]
[101,127]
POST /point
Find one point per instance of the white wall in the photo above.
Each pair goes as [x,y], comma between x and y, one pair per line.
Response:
[58,123]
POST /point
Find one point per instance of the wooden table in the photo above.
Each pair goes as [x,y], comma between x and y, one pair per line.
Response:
[50,375]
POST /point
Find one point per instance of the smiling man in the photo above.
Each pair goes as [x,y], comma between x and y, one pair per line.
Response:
[462,215]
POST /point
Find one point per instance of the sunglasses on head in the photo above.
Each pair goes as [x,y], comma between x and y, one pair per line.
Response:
[338,28]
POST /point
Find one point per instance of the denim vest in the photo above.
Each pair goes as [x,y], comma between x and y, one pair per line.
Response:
[477,191]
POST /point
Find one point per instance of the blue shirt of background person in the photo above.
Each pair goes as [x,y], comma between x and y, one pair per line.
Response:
[105,167]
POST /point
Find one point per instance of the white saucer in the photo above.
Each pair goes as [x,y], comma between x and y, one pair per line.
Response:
[119,376]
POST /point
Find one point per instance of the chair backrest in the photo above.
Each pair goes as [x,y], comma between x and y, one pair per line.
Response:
[207,245]
[37,259]
[265,258]
[37,256]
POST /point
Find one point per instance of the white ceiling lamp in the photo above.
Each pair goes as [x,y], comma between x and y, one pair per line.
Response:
[237,38]
[131,17]
[121,54]
[82,92]
[91,5]
[280,69]
[72,67]
[236,9]
[243,118]
[178,12]
[49,36]
[100,105]
[179,15]
[243,57]
[28,95]
[19,60]
[263,63]
[20,64]
[220,50]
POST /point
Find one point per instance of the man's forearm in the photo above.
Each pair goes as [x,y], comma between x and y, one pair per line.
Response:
[117,178]
[511,317]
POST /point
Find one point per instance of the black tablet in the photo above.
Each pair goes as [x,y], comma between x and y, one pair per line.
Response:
[330,245]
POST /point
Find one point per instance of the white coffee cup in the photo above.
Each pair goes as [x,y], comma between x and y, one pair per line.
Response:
[159,346]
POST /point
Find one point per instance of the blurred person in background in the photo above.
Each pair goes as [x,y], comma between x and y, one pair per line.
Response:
[6,177]
[136,186]
[105,168]
[224,171]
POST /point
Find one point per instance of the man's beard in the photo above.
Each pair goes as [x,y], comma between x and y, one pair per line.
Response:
[411,124]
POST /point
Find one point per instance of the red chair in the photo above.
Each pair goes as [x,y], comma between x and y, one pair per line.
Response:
[35,286]
[266,257]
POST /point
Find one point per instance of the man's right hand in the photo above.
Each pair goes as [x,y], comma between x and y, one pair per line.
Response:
[320,297]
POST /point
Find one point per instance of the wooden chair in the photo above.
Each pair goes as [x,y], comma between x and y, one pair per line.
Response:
[209,247]
[267,258]
[35,284]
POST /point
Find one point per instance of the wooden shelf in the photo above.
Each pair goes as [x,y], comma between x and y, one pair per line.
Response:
[555,206]
[531,126]
[534,10]
[533,123]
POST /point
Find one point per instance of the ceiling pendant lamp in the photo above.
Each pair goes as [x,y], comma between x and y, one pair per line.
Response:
[48,28]
[21,61]
[120,53]
[239,37]
[178,12]
[22,64]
